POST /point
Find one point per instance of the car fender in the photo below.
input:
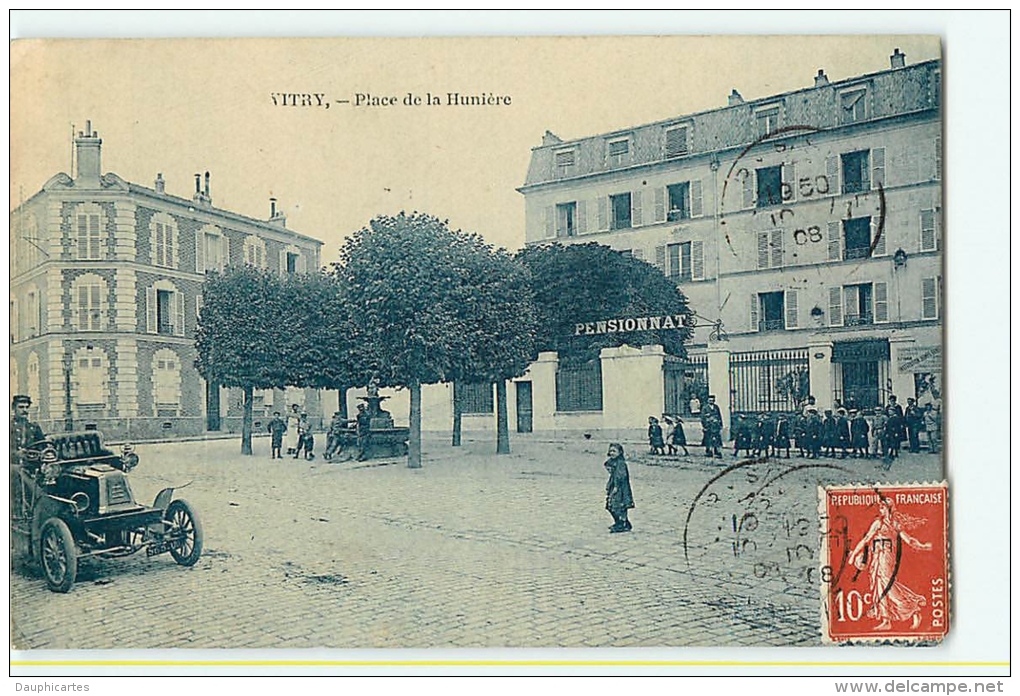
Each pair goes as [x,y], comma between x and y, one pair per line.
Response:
[163,498]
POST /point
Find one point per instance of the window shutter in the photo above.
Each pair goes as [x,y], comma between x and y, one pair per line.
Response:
[198,308]
[179,324]
[635,208]
[283,261]
[83,308]
[928,242]
[763,250]
[603,213]
[929,301]
[877,240]
[95,308]
[660,204]
[777,248]
[582,219]
[550,222]
[697,204]
[697,260]
[851,303]
[834,241]
[748,183]
[150,310]
[660,258]
[789,192]
[832,174]
[878,167]
[754,313]
[836,306]
[881,302]
[791,309]
[200,252]
[225,254]
[302,264]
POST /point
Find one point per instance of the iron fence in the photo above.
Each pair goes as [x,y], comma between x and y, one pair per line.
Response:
[768,381]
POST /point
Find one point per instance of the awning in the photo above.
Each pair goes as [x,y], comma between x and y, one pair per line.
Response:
[864,350]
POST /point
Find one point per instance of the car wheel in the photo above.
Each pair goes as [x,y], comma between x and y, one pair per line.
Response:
[58,555]
[184,523]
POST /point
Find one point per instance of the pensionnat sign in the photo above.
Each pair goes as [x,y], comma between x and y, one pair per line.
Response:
[608,326]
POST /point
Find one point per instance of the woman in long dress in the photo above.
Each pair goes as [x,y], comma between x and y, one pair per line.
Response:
[879,549]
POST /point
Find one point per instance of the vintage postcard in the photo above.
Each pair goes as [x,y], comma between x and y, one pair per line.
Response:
[476,342]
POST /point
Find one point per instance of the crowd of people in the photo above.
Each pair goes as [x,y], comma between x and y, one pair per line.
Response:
[300,439]
[813,432]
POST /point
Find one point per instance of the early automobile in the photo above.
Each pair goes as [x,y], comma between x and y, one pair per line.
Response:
[71,499]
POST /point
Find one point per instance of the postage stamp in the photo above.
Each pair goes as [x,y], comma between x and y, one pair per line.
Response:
[884,572]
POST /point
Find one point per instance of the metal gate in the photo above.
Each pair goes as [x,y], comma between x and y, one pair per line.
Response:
[682,381]
[768,381]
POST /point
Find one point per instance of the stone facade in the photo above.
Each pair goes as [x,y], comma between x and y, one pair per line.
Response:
[105,293]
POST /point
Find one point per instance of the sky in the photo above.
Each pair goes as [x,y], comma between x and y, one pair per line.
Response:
[184,106]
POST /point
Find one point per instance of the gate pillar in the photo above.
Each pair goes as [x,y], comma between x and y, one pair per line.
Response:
[719,383]
[820,371]
[632,386]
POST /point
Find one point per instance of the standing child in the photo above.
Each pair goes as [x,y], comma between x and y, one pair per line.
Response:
[679,438]
[655,442]
[668,435]
[858,434]
[277,427]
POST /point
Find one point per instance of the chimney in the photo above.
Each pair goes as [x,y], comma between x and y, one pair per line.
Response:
[160,183]
[276,217]
[200,197]
[551,138]
[735,98]
[87,148]
[820,79]
[897,59]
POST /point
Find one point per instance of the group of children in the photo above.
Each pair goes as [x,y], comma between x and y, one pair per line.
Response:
[863,434]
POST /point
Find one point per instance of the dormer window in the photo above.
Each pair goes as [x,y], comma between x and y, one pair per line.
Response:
[618,151]
[853,105]
[767,120]
[565,158]
[676,141]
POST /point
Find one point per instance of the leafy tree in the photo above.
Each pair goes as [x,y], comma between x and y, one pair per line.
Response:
[407,279]
[582,283]
[498,310]
[240,333]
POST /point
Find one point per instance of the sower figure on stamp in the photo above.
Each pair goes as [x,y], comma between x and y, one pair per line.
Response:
[619,498]
[276,427]
[881,550]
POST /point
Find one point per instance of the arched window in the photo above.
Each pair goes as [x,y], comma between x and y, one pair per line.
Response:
[212,249]
[163,231]
[88,297]
[166,382]
[90,379]
[255,251]
[89,232]
[164,309]
[15,385]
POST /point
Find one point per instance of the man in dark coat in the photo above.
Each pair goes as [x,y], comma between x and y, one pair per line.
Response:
[619,498]
[842,433]
[364,424]
[743,435]
[829,434]
[276,427]
[814,433]
[711,424]
[23,431]
[781,436]
[859,434]
[913,420]
[893,434]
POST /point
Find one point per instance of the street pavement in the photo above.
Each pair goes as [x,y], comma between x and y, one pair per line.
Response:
[471,550]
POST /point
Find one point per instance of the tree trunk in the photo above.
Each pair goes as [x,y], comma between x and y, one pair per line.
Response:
[502,426]
[249,397]
[342,402]
[414,441]
[456,415]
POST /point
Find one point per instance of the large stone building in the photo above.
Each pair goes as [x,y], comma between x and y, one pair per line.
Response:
[804,228]
[106,289]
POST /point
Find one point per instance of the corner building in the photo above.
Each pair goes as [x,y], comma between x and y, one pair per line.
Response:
[106,290]
[808,223]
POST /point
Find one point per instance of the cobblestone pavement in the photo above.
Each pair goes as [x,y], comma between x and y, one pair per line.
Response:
[472,550]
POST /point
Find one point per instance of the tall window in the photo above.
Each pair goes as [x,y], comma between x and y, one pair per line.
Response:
[32,315]
[857,305]
[164,309]
[90,377]
[620,210]
[929,238]
[771,311]
[679,201]
[88,293]
[770,249]
[857,238]
[166,382]
[292,262]
[211,249]
[255,251]
[618,151]
[33,381]
[770,186]
[164,240]
[856,177]
[678,261]
[566,219]
[931,301]
[89,232]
